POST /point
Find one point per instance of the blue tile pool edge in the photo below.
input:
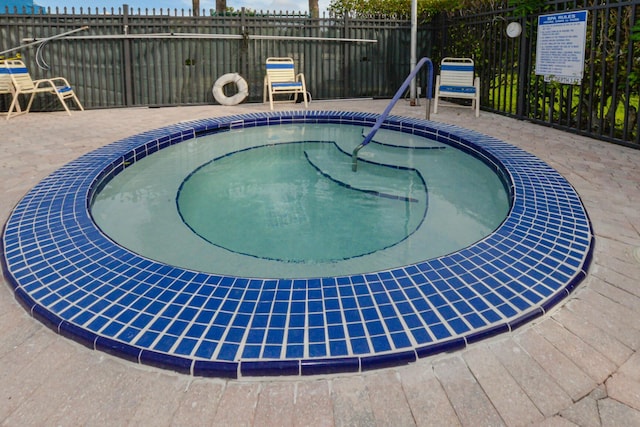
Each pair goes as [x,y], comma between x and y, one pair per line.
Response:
[313,366]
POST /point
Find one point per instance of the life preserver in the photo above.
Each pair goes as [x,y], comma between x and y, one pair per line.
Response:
[241,85]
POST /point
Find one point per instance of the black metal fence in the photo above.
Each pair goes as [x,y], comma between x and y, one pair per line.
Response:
[141,58]
[605,105]
[134,59]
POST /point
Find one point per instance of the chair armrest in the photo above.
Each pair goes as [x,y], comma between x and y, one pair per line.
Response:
[41,83]
[60,81]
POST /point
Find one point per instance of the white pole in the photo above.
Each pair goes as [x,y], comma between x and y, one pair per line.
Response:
[414,37]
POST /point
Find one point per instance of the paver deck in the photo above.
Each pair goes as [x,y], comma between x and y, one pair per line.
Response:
[576,365]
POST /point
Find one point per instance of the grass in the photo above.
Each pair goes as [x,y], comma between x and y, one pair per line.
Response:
[503,96]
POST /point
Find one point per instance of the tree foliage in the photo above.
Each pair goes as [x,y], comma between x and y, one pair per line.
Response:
[522,8]
[426,8]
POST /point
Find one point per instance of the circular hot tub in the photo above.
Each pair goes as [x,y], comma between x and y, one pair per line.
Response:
[69,274]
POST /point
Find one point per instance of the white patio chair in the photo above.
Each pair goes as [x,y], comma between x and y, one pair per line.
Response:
[6,87]
[457,80]
[23,84]
[282,78]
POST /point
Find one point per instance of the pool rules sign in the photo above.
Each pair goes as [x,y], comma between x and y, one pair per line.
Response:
[560,49]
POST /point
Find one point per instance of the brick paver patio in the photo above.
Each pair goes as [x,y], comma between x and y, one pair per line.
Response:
[578,365]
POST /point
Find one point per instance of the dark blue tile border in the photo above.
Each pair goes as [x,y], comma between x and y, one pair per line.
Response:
[330,366]
[75,280]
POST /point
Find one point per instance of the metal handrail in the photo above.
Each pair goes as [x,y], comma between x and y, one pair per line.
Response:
[204,36]
[44,40]
[383,116]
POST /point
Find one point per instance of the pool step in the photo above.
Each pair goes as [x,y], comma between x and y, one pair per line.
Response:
[400,140]
[382,180]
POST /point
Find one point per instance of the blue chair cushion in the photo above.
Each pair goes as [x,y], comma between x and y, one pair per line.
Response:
[280,66]
[449,67]
[20,70]
[284,85]
[458,89]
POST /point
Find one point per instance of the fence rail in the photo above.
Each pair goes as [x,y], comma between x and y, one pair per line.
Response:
[141,58]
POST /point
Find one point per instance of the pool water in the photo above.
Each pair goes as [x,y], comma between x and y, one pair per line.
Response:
[282,201]
[277,205]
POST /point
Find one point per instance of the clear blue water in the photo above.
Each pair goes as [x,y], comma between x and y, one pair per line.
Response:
[282,201]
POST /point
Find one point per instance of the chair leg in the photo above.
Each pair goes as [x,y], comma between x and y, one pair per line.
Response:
[33,95]
[436,95]
[476,84]
[63,102]
[264,91]
[77,101]
[15,105]
[271,99]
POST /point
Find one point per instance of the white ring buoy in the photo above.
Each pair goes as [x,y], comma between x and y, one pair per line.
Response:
[241,85]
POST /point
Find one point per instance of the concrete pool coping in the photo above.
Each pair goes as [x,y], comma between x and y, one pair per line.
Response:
[582,381]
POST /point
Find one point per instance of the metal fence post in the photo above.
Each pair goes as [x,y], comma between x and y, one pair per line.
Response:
[244,44]
[523,72]
[345,59]
[126,52]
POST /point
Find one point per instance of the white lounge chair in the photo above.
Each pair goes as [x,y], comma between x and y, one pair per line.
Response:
[6,87]
[282,78]
[457,80]
[23,84]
